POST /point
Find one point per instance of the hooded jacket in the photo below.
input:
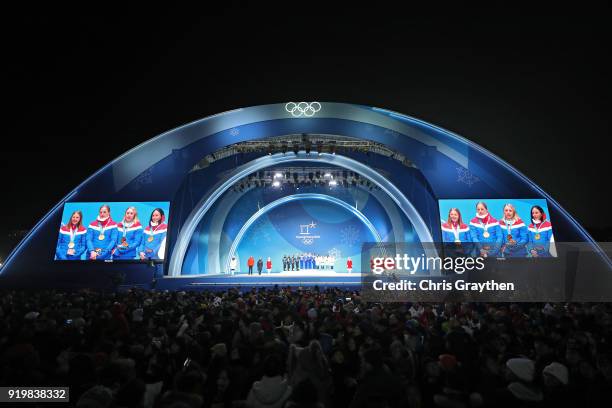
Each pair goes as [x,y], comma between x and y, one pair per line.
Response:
[269,392]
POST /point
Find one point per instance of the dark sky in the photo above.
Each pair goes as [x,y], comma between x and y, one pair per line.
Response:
[79,91]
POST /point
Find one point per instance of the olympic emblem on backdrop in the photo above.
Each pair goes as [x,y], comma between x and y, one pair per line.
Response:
[305,235]
[306,109]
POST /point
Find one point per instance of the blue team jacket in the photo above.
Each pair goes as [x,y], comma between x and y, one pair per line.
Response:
[103,247]
[151,247]
[492,243]
[518,231]
[80,243]
[541,245]
[133,238]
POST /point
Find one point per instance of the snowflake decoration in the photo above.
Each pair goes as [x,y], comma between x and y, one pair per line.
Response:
[335,252]
[392,132]
[234,131]
[349,235]
[261,231]
[145,178]
[467,177]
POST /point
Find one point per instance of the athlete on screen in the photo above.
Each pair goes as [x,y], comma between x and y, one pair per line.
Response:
[514,234]
[454,230]
[101,235]
[539,234]
[129,235]
[485,231]
[154,236]
[71,243]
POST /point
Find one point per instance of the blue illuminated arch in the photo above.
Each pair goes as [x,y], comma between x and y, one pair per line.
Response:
[295,197]
[192,221]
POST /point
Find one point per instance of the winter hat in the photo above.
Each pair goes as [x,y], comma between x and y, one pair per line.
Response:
[557,370]
[523,368]
[447,361]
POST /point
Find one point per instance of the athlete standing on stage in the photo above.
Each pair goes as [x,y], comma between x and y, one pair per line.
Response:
[250,264]
[349,265]
[269,265]
[101,235]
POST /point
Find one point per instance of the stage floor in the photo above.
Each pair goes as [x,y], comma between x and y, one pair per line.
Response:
[221,281]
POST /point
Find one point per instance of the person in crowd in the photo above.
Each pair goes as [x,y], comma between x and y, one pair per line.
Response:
[273,390]
[208,348]
[485,232]
[539,234]
[310,363]
[101,235]
[154,236]
[349,265]
[233,265]
[514,233]
[250,264]
[129,236]
[72,243]
[259,266]
[269,265]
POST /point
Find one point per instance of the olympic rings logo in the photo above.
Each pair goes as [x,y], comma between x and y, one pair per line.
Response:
[306,109]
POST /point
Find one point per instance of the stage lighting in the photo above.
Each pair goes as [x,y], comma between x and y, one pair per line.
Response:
[278,175]
[276,183]
[333,183]
[327,175]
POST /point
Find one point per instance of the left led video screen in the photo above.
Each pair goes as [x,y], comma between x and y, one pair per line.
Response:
[117,231]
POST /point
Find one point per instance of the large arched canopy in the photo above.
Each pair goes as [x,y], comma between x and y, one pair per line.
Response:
[443,165]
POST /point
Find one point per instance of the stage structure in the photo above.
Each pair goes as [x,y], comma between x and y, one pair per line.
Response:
[304,184]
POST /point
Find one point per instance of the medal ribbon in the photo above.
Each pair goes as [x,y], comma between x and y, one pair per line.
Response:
[125,227]
[103,227]
[456,231]
[537,226]
[72,233]
[485,226]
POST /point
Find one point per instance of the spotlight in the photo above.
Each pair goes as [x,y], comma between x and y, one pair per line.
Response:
[278,175]
[276,183]
[333,183]
[327,175]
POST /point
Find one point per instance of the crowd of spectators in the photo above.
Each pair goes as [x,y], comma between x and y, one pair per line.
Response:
[302,347]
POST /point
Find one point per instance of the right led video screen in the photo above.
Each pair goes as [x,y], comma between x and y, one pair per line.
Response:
[498,228]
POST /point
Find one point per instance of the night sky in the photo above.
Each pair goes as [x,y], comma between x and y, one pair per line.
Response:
[79,91]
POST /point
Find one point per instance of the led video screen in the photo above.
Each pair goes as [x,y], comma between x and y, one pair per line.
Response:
[500,228]
[113,231]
